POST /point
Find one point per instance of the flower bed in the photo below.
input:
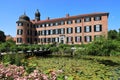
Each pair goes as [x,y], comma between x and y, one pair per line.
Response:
[13,72]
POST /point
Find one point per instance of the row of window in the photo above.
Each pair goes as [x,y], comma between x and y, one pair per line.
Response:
[97,28]
[57,39]
[87,19]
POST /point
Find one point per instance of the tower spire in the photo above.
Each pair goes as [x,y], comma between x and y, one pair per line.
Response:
[37,15]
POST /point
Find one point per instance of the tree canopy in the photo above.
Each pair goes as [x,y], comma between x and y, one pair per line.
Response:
[2,36]
[113,34]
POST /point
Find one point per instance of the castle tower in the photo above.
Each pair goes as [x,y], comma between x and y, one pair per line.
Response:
[37,15]
[23,27]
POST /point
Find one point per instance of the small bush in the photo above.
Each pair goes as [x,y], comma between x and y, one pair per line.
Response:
[13,59]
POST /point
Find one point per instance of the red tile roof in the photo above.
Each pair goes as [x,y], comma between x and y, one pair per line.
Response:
[69,18]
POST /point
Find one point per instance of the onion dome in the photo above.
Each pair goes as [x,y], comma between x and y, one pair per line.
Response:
[24,17]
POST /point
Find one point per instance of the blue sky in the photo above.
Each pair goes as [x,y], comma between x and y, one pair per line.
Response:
[10,10]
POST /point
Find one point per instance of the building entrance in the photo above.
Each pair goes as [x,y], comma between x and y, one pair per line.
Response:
[62,39]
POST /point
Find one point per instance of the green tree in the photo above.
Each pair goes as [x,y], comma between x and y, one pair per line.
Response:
[2,36]
[113,34]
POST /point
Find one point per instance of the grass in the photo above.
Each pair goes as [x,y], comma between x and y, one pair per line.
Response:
[84,68]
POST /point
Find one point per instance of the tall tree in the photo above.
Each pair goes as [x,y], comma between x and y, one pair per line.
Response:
[2,36]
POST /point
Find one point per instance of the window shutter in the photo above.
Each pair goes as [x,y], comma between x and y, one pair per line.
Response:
[85,29]
[75,39]
[85,38]
[94,28]
[90,28]
[44,32]
[67,39]
[53,31]
[64,31]
[90,38]
[100,17]
[76,21]
[71,39]
[71,30]
[67,30]
[58,31]
[75,29]
[80,30]
[90,19]
[100,27]
[80,38]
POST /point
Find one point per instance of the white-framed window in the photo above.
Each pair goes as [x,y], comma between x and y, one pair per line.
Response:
[69,39]
[43,32]
[97,28]
[87,28]
[97,18]
[77,29]
[56,24]
[39,33]
[69,22]
[56,39]
[51,24]
[62,22]
[39,25]
[47,25]
[62,31]
[87,19]
[19,40]
[20,24]
[69,30]
[88,39]
[77,20]
[43,25]
[56,31]
[19,32]
[78,39]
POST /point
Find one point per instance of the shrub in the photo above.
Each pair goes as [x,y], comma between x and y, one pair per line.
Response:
[54,49]
[101,47]
[13,59]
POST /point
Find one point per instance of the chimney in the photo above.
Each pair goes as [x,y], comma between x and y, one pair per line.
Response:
[67,15]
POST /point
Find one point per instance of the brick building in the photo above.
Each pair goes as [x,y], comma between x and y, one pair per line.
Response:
[67,30]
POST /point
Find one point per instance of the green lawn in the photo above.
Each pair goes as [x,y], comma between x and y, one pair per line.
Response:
[84,68]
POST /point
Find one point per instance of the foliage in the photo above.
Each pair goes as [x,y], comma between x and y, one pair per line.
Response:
[54,49]
[13,72]
[84,68]
[100,47]
[13,59]
[113,34]
[2,36]
[7,46]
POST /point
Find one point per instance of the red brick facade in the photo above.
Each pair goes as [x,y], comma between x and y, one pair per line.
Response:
[68,30]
